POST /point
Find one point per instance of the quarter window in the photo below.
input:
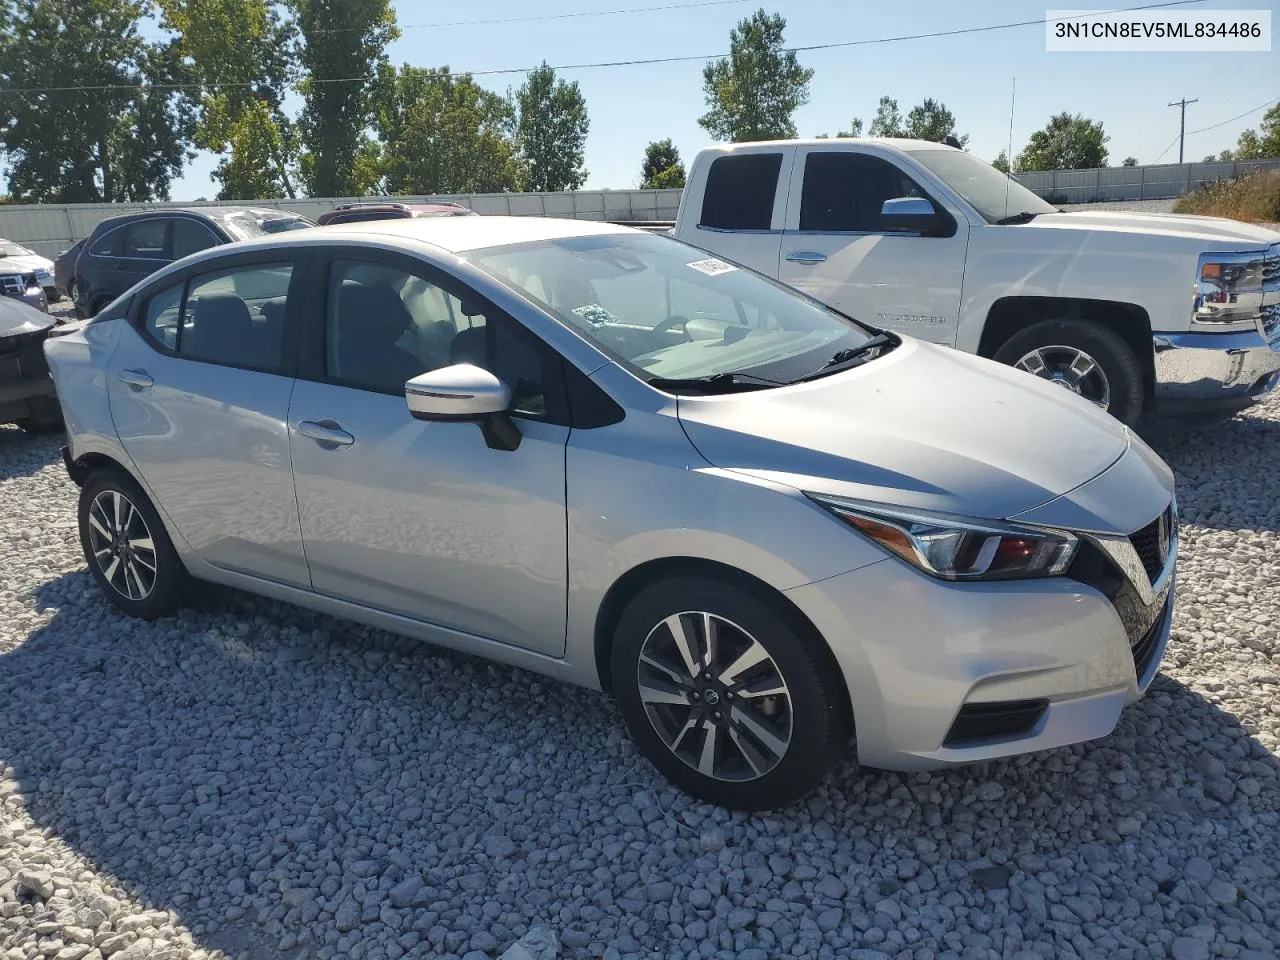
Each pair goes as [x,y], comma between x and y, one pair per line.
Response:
[385,326]
[234,317]
[740,191]
[844,192]
[144,239]
[109,244]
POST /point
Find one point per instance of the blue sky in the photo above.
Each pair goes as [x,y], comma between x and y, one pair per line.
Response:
[630,106]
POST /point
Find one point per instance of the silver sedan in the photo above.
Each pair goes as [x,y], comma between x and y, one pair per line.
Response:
[778,537]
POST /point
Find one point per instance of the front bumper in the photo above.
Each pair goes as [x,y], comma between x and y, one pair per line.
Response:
[922,658]
[1210,372]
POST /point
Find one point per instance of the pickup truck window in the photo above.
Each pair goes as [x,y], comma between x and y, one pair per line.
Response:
[629,292]
[740,191]
[993,194]
[843,192]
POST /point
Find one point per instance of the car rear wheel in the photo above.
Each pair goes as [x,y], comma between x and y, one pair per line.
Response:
[1083,356]
[732,697]
[128,551]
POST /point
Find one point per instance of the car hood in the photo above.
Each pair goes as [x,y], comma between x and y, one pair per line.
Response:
[1202,229]
[24,264]
[16,318]
[923,426]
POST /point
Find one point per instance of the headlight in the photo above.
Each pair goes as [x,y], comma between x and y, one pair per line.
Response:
[957,548]
[45,277]
[1229,289]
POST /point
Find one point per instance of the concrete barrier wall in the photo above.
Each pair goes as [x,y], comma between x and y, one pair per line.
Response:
[50,228]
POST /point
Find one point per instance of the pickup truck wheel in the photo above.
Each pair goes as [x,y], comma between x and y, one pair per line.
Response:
[1082,356]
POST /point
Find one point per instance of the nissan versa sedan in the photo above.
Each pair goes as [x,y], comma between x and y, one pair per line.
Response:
[778,537]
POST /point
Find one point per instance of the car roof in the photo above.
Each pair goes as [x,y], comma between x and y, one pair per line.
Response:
[451,234]
[899,143]
[212,213]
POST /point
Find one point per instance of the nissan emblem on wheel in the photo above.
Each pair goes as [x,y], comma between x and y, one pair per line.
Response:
[741,512]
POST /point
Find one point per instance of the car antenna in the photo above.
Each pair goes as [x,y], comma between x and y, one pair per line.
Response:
[1008,157]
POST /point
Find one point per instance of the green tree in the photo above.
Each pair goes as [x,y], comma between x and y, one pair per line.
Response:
[931,120]
[1260,144]
[1130,162]
[443,133]
[662,168]
[888,120]
[1001,162]
[754,92]
[126,142]
[552,129]
[855,130]
[1066,143]
[342,55]
[246,55]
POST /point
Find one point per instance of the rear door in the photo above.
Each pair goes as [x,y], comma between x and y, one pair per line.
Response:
[837,248]
[743,206]
[199,389]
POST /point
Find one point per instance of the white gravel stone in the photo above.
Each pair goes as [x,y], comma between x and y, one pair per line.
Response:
[247,780]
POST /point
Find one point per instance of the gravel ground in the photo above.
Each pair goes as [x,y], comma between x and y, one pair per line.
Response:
[1132,206]
[253,781]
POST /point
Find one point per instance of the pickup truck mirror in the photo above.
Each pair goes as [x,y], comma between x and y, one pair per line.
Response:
[910,213]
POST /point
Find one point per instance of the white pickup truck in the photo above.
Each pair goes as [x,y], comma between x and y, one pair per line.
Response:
[1144,314]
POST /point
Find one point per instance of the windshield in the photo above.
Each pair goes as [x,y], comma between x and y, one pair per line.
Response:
[246,227]
[10,249]
[666,310]
[993,194]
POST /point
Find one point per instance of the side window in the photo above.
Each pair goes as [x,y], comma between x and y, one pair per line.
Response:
[845,191]
[110,244]
[144,239]
[233,317]
[385,326]
[162,317]
[740,191]
[190,236]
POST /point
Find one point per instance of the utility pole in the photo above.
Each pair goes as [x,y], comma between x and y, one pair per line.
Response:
[1182,130]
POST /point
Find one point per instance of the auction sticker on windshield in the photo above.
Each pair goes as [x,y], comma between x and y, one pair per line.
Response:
[712,267]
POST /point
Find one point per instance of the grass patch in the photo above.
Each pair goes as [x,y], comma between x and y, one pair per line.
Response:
[1253,199]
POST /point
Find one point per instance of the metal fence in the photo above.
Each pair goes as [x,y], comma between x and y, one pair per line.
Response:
[1135,183]
[48,229]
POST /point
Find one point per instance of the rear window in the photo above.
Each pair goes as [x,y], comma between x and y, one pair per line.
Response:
[740,192]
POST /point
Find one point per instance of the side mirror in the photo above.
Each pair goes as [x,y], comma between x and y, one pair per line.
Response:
[463,392]
[910,213]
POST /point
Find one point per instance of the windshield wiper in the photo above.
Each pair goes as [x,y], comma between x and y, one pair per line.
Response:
[852,356]
[728,382]
[1026,216]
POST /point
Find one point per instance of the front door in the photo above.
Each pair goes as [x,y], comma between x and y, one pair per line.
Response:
[423,519]
[835,247]
[199,390]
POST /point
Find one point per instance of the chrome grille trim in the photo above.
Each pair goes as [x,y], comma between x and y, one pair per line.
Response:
[1124,555]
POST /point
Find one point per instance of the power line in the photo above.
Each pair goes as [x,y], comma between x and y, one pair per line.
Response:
[525,19]
[626,63]
[1238,116]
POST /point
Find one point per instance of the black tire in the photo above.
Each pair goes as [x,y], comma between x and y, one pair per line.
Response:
[1115,358]
[819,729]
[170,581]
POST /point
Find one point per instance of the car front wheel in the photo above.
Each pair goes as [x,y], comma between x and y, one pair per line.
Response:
[128,551]
[730,695]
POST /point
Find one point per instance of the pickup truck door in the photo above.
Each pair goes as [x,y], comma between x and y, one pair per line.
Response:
[836,248]
[744,205]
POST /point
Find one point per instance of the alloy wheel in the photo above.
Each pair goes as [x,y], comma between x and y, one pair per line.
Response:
[1072,369]
[714,696]
[122,545]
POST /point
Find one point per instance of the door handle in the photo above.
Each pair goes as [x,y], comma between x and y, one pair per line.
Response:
[327,433]
[807,256]
[137,380]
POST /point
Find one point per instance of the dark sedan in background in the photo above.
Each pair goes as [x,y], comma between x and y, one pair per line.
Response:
[27,396]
